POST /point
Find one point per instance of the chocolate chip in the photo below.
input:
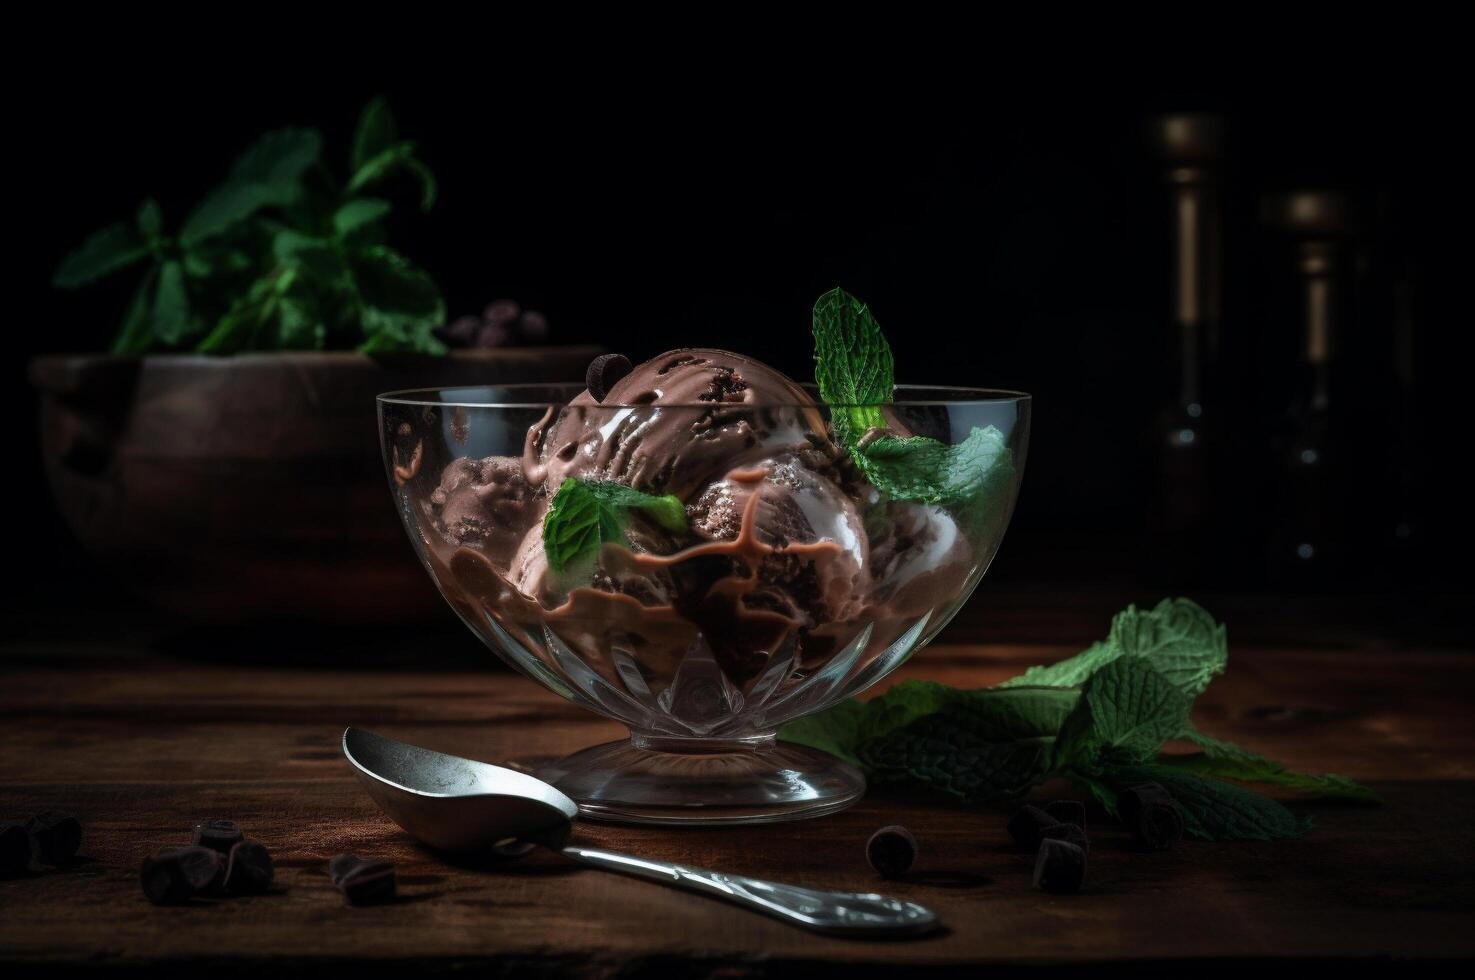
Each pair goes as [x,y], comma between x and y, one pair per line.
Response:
[249,869]
[215,885]
[15,849]
[1067,811]
[1060,866]
[56,836]
[177,874]
[604,371]
[891,851]
[493,335]
[362,882]
[1159,825]
[1067,832]
[1027,826]
[218,835]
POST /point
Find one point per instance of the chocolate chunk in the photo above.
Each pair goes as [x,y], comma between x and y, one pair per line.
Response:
[604,371]
[15,849]
[1152,815]
[891,851]
[56,836]
[1067,811]
[1060,866]
[1067,832]
[218,835]
[1027,826]
[215,885]
[493,335]
[1130,801]
[177,874]
[1159,825]
[362,882]
[249,868]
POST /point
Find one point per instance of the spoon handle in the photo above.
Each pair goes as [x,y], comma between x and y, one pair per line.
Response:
[810,908]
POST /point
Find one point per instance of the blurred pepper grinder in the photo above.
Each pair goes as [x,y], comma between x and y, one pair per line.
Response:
[1190,145]
[1305,535]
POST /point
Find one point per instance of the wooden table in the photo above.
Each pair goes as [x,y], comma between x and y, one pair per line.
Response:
[142,737]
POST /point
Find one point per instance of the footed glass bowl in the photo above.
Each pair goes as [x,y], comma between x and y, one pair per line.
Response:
[760,573]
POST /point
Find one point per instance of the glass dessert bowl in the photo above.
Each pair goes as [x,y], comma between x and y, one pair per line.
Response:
[704,553]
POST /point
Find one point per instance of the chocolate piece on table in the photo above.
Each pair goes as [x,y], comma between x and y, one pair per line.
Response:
[1130,801]
[1067,832]
[891,851]
[15,849]
[1158,825]
[249,868]
[218,835]
[176,874]
[604,371]
[57,836]
[1027,826]
[492,335]
[1067,811]
[1060,866]
[362,882]
[215,885]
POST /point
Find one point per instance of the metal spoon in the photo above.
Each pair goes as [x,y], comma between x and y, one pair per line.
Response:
[460,805]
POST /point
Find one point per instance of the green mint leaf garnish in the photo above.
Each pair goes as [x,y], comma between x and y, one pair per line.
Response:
[854,371]
[1225,760]
[1177,637]
[919,468]
[852,364]
[586,514]
[1100,718]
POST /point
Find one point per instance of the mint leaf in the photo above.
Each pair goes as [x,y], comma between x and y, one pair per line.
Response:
[250,319]
[136,333]
[375,133]
[1213,810]
[586,514]
[1015,713]
[268,174]
[392,160]
[358,215]
[172,318]
[110,250]
[1225,760]
[150,222]
[852,364]
[1127,711]
[1177,637]
[952,752]
[919,468]
[390,282]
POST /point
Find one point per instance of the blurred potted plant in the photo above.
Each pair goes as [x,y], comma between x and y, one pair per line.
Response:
[249,486]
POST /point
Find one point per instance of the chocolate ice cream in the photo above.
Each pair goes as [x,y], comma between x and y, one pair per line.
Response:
[788,560]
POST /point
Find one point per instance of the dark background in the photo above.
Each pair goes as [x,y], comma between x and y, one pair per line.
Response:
[1012,236]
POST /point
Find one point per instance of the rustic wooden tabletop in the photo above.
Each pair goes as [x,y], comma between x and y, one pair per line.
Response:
[142,739]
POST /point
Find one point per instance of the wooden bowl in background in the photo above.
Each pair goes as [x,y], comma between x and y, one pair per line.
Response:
[251,487]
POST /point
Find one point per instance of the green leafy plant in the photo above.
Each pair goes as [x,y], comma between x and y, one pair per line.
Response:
[586,514]
[1100,718]
[853,369]
[282,255]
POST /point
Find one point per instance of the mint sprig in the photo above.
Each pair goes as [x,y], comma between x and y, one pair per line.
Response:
[1100,718]
[853,368]
[586,514]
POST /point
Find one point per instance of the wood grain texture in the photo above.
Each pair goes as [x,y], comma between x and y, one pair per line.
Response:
[141,745]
